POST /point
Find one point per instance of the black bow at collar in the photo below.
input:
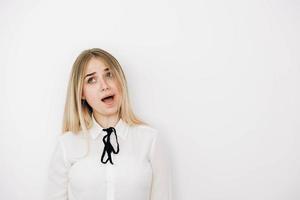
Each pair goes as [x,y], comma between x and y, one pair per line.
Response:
[108,147]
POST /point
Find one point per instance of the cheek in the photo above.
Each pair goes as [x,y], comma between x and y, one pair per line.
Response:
[119,97]
[117,87]
[118,91]
[89,92]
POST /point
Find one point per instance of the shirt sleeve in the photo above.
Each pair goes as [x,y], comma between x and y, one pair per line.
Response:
[57,181]
[161,188]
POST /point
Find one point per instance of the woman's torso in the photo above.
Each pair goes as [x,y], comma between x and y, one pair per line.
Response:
[128,178]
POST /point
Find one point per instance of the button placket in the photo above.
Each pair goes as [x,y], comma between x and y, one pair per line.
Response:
[110,182]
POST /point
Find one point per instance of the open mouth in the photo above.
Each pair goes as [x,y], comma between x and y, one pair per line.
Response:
[108,99]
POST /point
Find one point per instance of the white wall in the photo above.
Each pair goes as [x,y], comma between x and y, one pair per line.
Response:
[220,80]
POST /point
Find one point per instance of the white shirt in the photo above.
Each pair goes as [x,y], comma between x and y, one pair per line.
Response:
[141,169]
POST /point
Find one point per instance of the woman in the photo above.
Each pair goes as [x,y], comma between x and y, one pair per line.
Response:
[105,151]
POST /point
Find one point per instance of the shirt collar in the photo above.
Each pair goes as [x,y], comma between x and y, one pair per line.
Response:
[96,129]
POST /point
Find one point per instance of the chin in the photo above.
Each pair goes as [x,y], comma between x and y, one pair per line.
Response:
[111,111]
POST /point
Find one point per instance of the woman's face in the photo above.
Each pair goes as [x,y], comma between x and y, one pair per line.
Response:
[100,82]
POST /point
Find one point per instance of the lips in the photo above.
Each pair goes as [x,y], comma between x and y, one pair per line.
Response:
[107,97]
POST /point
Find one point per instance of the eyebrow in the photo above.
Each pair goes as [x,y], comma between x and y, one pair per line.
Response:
[90,74]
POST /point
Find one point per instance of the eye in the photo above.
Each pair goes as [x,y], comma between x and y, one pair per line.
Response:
[89,80]
[109,74]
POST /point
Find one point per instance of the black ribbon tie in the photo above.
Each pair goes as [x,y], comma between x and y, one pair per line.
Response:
[108,147]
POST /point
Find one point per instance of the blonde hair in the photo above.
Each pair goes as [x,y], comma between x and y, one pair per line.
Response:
[77,112]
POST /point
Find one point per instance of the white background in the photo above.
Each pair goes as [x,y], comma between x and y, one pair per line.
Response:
[220,80]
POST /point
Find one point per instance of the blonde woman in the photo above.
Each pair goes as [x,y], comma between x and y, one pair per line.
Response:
[105,152]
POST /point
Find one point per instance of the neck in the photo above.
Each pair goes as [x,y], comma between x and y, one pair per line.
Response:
[106,120]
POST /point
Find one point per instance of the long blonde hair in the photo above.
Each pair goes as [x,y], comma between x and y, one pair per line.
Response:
[77,112]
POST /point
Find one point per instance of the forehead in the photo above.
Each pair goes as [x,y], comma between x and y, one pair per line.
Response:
[96,65]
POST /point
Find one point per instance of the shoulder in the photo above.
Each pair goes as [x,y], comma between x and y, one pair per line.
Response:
[145,131]
[72,143]
[69,137]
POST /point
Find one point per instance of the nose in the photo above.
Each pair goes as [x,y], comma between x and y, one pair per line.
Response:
[103,85]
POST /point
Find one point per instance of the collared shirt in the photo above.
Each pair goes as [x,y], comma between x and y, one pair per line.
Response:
[140,171]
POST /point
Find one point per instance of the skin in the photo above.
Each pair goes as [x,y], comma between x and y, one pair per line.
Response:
[97,86]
